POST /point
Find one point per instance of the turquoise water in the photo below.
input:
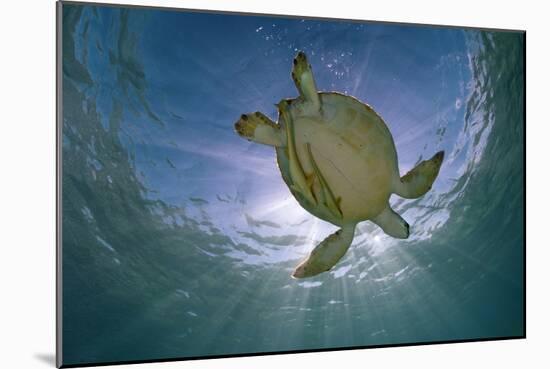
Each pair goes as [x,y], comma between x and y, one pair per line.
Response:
[179,237]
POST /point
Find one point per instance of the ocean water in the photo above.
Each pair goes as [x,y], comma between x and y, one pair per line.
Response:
[179,237]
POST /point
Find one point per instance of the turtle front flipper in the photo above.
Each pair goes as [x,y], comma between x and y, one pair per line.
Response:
[326,254]
[303,78]
[300,182]
[259,128]
[327,196]
[391,223]
[419,180]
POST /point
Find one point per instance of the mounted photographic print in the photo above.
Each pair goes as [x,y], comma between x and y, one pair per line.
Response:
[238,184]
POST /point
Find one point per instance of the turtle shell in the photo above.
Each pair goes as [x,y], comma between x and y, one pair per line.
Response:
[352,148]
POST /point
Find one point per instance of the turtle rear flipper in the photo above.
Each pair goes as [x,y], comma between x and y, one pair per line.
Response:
[259,128]
[303,79]
[419,180]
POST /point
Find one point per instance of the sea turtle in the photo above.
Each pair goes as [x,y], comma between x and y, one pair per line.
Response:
[338,158]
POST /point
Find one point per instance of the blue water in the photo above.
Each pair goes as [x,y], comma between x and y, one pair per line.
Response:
[179,237]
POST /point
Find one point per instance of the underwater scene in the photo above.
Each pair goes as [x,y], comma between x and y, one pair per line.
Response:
[179,237]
